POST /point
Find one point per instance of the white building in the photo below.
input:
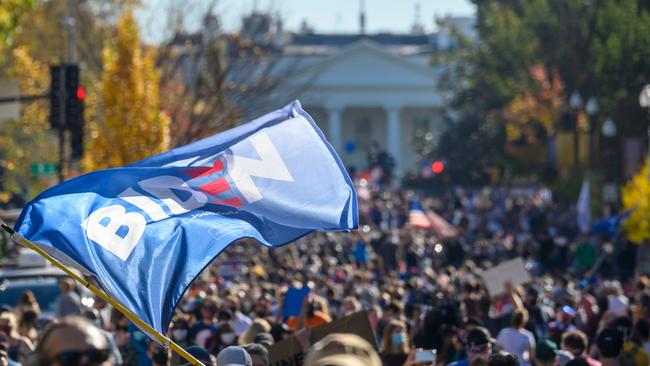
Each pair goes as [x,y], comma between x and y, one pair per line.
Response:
[363,90]
[366,93]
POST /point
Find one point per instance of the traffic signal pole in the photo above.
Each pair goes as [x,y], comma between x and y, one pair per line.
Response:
[61,129]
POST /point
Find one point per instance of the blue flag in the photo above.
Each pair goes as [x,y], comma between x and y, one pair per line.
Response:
[610,225]
[146,230]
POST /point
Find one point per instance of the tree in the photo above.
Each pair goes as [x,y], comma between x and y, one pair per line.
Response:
[213,79]
[11,14]
[599,48]
[636,197]
[134,126]
[26,141]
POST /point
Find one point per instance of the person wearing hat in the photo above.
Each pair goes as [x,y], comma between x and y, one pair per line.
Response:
[610,346]
[342,350]
[265,339]
[200,354]
[259,354]
[234,356]
[546,354]
[479,342]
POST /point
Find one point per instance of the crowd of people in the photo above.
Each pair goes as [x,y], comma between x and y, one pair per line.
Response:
[420,291]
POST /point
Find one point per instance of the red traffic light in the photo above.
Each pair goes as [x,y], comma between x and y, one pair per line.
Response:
[81,93]
[437,167]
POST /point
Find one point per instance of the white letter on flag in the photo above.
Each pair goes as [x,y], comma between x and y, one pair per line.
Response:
[270,166]
[107,235]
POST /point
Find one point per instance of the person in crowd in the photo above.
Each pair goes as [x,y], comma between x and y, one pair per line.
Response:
[158,355]
[68,302]
[201,354]
[258,326]
[224,337]
[4,352]
[546,354]
[180,331]
[19,346]
[234,356]
[264,339]
[610,346]
[313,313]
[27,301]
[342,350]
[503,359]
[641,334]
[27,324]
[479,342]
[72,341]
[395,344]
[631,350]
[578,361]
[576,343]
[205,327]
[259,354]
[516,339]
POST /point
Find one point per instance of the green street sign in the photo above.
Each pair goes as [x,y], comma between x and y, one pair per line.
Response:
[44,169]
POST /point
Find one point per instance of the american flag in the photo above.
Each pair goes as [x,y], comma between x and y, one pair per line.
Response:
[420,218]
[417,216]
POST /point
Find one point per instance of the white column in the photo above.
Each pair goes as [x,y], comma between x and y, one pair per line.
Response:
[394,138]
[334,114]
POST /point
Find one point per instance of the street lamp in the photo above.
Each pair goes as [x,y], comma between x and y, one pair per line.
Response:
[609,128]
[575,103]
[610,163]
[644,101]
[592,110]
[610,192]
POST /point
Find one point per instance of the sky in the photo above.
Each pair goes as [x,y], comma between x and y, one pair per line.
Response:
[325,16]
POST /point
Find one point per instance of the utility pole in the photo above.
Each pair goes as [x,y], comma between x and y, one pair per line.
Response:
[69,22]
[72,35]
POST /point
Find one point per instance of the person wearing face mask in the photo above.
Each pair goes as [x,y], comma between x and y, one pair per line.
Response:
[179,333]
[395,344]
[205,327]
[224,337]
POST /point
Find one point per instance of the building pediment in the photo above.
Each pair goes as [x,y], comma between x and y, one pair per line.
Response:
[366,65]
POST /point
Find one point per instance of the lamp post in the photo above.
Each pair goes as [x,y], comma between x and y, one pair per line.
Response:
[644,101]
[592,110]
[610,192]
[575,103]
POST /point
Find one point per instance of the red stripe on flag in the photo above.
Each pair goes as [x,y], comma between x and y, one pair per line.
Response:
[201,171]
[196,171]
[233,202]
[419,219]
[216,187]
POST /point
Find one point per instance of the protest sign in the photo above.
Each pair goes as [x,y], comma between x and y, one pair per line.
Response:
[293,301]
[513,271]
[289,352]
[230,269]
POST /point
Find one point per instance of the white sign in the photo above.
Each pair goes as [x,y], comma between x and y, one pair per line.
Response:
[513,271]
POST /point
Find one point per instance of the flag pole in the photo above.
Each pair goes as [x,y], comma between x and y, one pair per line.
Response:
[13,235]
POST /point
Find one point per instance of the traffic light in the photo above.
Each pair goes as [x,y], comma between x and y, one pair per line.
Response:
[56,101]
[77,136]
[67,104]
[74,104]
[438,167]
